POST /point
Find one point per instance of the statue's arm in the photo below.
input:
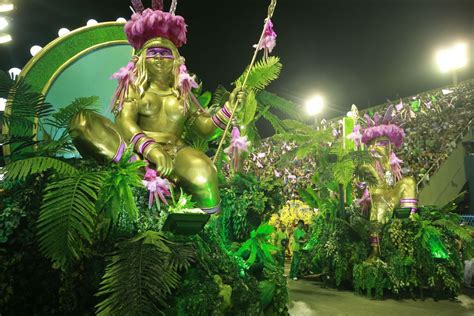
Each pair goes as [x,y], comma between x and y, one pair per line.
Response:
[127,119]
[207,125]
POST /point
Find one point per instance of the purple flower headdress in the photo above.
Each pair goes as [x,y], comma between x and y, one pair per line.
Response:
[385,131]
[145,26]
[383,128]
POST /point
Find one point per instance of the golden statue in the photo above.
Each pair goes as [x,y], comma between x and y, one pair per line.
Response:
[388,192]
[152,106]
[391,189]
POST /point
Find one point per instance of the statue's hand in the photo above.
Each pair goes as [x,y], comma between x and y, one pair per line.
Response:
[162,161]
[237,97]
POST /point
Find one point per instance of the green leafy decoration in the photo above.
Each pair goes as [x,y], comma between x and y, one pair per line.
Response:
[287,107]
[67,218]
[262,73]
[344,171]
[116,195]
[21,169]
[205,99]
[258,247]
[23,106]
[140,275]
[220,97]
[250,109]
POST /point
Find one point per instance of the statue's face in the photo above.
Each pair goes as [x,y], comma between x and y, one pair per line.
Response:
[160,63]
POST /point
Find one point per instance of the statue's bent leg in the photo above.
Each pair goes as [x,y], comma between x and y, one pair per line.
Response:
[95,136]
[406,190]
[196,173]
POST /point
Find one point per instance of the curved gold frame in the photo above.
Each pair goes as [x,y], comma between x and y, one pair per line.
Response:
[51,46]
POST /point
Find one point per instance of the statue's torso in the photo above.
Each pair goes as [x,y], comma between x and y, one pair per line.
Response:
[161,114]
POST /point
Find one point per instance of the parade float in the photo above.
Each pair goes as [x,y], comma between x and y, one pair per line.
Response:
[150,195]
[111,202]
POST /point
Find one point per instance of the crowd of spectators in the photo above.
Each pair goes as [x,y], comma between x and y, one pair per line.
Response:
[434,123]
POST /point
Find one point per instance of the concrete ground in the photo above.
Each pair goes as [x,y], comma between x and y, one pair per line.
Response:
[308,298]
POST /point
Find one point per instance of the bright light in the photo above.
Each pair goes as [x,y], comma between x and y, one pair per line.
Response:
[92,22]
[35,50]
[14,73]
[452,58]
[3,23]
[3,104]
[6,7]
[63,31]
[122,20]
[314,105]
[5,38]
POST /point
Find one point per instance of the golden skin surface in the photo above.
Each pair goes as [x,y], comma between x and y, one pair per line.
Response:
[156,109]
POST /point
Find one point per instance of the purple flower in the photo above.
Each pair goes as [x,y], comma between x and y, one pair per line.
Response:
[238,145]
[157,186]
[125,77]
[395,165]
[356,136]
[268,41]
[399,106]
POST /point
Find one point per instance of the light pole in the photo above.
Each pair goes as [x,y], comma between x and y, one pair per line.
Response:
[451,59]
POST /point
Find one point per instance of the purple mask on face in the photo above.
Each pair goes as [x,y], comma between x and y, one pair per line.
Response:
[159,52]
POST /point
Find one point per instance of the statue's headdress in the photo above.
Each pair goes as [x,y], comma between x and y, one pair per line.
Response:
[385,130]
[148,28]
[147,24]
[385,127]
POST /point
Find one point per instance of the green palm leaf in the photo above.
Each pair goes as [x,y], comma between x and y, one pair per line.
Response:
[21,169]
[139,276]
[67,218]
[262,73]
[287,107]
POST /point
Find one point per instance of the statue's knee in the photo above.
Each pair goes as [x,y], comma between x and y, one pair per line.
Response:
[81,122]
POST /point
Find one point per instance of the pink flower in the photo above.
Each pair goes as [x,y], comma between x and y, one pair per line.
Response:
[238,145]
[186,84]
[268,41]
[364,201]
[356,136]
[157,186]
[395,165]
[125,77]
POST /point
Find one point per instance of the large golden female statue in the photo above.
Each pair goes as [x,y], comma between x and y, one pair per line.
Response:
[153,104]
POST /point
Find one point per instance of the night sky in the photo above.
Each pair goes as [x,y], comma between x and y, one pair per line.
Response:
[352,51]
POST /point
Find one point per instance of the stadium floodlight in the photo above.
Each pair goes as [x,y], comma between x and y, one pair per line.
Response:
[3,23]
[314,105]
[6,6]
[5,38]
[452,58]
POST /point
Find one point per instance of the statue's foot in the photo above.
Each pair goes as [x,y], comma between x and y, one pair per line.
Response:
[213,210]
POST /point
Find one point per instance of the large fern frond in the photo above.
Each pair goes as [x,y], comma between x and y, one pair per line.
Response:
[276,123]
[285,106]
[138,277]
[21,169]
[262,73]
[67,218]
[344,171]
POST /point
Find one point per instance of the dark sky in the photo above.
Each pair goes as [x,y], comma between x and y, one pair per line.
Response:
[352,51]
